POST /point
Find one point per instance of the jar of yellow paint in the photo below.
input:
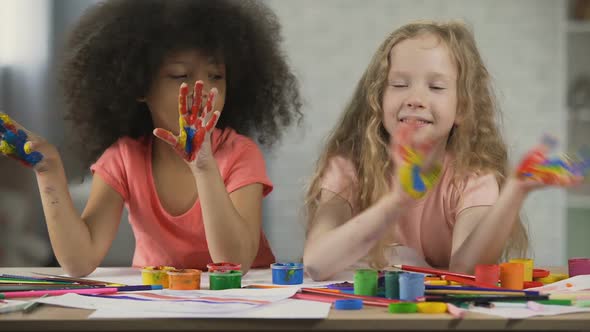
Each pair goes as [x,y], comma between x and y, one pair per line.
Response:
[155,275]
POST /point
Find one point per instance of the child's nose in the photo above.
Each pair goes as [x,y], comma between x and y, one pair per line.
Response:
[414,103]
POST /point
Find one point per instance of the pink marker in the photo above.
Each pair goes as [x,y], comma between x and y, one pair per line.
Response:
[9,295]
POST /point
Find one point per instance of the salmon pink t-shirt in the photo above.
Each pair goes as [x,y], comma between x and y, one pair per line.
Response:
[179,241]
[427,226]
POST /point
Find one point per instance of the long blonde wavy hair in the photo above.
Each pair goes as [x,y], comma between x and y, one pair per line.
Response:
[360,136]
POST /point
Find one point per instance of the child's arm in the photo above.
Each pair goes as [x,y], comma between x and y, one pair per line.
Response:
[232,221]
[480,233]
[79,243]
[336,240]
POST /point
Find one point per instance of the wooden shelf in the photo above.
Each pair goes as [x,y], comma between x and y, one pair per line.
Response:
[578,27]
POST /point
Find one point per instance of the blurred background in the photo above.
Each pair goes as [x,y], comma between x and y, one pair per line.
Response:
[538,52]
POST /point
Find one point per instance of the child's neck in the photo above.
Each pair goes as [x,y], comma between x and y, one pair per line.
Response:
[165,154]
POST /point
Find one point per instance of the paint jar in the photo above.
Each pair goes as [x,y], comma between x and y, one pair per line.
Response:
[411,286]
[578,266]
[225,280]
[512,275]
[487,274]
[528,267]
[392,284]
[287,273]
[223,267]
[184,279]
[365,282]
[155,275]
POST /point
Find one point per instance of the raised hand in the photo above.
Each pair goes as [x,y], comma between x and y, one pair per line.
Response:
[416,168]
[538,169]
[196,123]
[15,143]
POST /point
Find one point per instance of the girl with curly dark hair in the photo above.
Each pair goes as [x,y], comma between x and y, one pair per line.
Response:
[194,193]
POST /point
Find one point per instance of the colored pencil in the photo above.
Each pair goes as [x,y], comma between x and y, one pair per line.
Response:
[331,297]
[78,280]
[479,299]
[428,270]
[27,278]
[369,300]
[469,282]
[87,290]
[27,282]
[480,289]
[460,292]
[40,293]
[22,288]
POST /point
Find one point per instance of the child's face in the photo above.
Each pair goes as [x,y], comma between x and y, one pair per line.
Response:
[189,67]
[421,86]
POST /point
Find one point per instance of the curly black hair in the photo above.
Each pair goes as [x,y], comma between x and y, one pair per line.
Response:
[117,47]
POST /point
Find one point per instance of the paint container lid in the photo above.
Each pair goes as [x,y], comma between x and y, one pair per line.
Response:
[223,267]
[540,273]
[432,307]
[403,308]
[185,272]
[351,304]
[531,284]
[156,269]
[286,266]
[553,277]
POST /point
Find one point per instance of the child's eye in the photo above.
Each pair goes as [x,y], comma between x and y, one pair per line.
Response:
[398,85]
[215,77]
[436,87]
[176,77]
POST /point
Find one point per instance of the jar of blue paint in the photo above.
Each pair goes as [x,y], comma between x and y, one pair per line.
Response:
[411,286]
[287,273]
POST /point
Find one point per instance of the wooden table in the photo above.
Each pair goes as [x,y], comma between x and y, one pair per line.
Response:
[51,318]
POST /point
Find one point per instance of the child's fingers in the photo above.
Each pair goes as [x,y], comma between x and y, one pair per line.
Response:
[210,103]
[12,125]
[197,98]
[182,100]
[166,136]
[213,121]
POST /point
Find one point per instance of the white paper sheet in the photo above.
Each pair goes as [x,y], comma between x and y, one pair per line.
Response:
[573,284]
[285,309]
[519,313]
[202,301]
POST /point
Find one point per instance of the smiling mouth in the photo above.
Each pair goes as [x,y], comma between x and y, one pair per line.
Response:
[418,122]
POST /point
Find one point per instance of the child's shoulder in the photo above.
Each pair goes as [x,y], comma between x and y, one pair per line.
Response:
[229,141]
[127,143]
[469,178]
[341,167]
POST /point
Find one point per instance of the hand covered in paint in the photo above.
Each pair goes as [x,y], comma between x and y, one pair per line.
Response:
[417,171]
[196,124]
[15,142]
[537,169]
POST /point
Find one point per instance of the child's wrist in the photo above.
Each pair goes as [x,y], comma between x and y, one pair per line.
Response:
[516,187]
[204,166]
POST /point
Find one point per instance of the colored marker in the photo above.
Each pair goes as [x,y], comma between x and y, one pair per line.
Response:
[428,270]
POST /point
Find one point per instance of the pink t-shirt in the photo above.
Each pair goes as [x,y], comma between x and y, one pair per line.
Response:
[427,226]
[179,241]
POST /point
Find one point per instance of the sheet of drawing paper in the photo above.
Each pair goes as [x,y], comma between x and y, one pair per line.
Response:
[285,309]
